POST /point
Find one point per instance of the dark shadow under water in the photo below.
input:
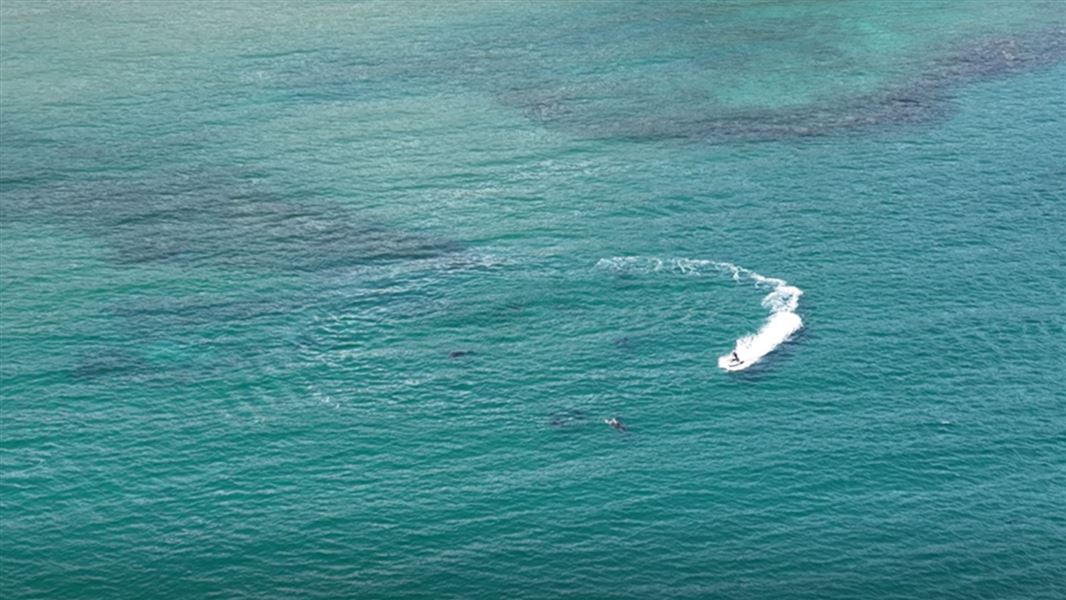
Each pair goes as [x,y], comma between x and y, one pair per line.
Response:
[219,228]
[923,98]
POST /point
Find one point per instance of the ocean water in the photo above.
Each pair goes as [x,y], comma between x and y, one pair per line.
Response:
[318,300]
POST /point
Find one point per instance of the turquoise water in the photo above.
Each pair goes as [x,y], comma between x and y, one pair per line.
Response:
[331,300]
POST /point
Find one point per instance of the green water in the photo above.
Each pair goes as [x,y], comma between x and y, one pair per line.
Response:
[331,300]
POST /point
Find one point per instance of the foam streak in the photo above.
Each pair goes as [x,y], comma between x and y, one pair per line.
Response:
[782,302]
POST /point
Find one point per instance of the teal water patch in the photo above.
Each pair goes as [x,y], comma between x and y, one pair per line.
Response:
[312,302]
[715,72]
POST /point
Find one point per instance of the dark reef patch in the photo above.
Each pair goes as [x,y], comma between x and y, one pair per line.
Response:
[691,115]
[181,223]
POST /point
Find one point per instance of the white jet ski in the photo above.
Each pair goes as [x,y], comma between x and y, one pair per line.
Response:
[732,362]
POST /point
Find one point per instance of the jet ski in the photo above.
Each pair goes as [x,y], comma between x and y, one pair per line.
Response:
[732,362]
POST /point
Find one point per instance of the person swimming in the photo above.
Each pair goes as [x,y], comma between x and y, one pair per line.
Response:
[617,424]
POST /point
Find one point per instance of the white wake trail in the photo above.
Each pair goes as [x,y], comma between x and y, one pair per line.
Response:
[782,302]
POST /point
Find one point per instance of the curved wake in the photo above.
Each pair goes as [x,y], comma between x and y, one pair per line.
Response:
[782,302]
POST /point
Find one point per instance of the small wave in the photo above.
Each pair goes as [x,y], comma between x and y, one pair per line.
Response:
[782,302]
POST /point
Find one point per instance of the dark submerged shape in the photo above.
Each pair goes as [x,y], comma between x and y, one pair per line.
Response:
[567,418]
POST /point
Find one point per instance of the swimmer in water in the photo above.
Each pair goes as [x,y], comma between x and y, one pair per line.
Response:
[614,422]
